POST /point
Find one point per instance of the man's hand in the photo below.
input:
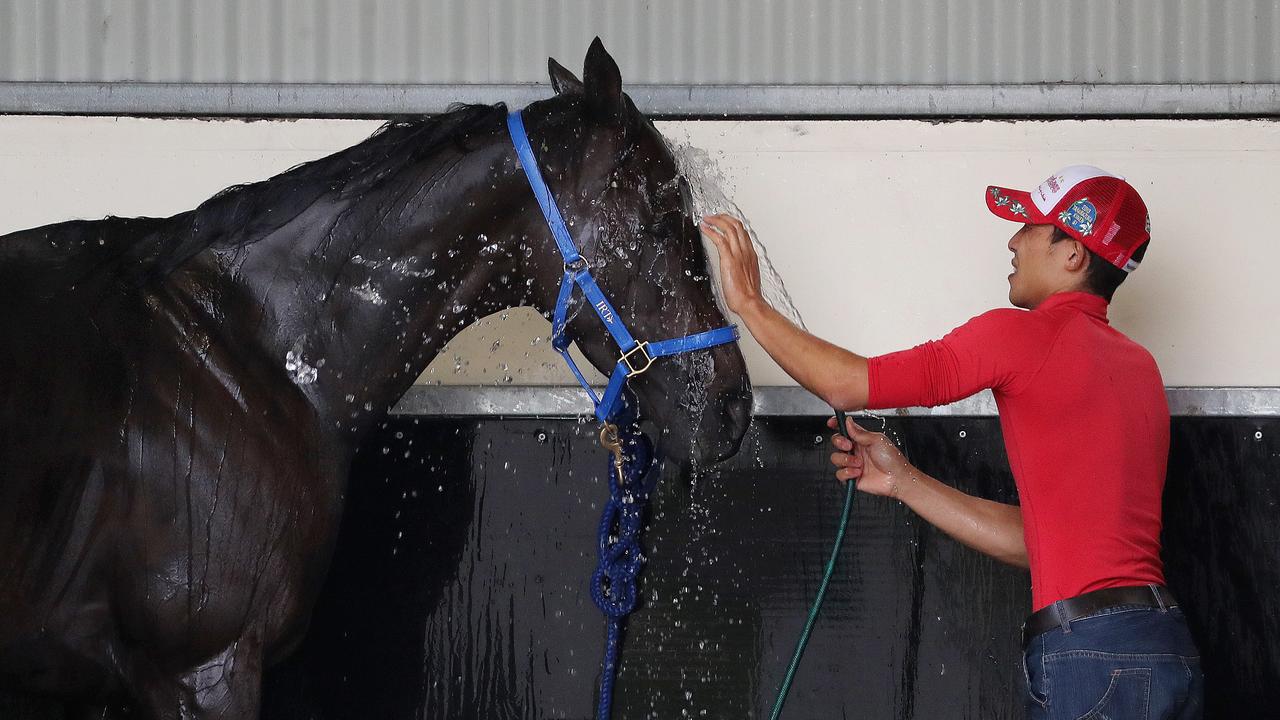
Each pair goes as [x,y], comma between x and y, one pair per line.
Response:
[832,373]
[877,465]
[739,266]
[880,469]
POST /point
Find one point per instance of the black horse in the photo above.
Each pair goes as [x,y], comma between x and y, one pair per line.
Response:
[181,398]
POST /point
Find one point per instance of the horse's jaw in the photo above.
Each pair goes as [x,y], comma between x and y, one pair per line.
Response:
[703,435]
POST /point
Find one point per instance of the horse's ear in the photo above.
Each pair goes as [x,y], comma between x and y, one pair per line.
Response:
[603,82]
[563,81]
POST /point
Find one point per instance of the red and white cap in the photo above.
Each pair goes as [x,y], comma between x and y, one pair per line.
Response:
[1091,205]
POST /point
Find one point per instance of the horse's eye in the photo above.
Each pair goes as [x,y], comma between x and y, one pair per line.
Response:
[666,226]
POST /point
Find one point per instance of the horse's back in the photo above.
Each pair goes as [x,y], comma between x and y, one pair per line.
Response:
[61,392]
[68,318]
[127,460]
[65,389]
[75,311]
[48,263]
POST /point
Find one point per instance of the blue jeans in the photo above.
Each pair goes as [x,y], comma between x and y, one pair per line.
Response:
[1122,663]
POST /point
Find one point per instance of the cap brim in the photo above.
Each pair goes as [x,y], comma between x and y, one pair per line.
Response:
[1014,205]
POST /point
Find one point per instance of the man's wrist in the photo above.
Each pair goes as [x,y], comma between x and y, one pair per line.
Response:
[754,308]
[909,486]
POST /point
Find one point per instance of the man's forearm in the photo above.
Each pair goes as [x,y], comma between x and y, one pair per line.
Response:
[832,373]
[990,527]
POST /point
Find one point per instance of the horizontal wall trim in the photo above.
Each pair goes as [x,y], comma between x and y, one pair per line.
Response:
[570,401]
[360,100]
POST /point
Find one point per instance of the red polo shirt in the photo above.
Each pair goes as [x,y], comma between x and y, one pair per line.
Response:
[1086,426]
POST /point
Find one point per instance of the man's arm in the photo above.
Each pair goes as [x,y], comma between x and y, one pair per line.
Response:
[832,373]
[879,468]
[840,378]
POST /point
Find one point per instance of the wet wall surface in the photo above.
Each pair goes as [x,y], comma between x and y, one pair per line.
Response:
[459,589]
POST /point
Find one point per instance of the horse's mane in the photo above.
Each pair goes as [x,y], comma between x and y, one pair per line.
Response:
[244,214]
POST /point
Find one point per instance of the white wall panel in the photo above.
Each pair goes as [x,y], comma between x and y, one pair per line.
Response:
[878,227]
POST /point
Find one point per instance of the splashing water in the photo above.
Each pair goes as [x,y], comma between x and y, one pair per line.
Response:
[710,186]
[708,183]
[299,370]
[369,293]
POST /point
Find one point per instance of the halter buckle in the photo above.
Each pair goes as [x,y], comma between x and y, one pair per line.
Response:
[643,349]
[573,267]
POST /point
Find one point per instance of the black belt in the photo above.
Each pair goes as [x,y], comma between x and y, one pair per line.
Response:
[1061,613]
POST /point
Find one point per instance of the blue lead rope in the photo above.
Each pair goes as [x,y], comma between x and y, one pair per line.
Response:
[614,586]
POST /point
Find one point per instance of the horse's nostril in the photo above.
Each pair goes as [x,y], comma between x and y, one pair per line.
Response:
[732,422]
[740,406]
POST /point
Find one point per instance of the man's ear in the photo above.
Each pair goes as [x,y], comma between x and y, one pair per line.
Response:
[1078,259]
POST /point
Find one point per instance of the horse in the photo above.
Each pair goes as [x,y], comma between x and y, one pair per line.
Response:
[181,398]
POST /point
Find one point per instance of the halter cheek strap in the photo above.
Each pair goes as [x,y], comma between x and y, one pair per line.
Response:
[636,356]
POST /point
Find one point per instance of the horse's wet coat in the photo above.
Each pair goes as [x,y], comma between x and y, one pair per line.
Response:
[180,398]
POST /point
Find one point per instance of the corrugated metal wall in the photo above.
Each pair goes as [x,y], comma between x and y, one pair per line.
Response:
[655,41]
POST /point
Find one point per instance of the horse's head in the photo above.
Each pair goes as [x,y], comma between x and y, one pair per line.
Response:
[629,210]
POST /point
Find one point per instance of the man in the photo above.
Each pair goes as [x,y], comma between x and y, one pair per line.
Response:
[1086,426]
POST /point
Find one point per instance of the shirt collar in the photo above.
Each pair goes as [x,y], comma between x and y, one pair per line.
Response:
[1087,303]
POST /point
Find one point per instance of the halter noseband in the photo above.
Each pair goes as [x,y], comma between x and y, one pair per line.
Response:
[636,356]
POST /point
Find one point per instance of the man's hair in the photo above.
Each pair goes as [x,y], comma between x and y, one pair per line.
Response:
[1101,277]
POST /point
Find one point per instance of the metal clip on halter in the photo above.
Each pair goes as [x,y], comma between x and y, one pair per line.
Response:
[611,440]
[643,349]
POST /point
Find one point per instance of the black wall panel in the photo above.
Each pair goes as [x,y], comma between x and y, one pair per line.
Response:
[460,585]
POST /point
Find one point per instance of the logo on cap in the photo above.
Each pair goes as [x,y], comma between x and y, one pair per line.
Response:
[1049,190]
[1080,216]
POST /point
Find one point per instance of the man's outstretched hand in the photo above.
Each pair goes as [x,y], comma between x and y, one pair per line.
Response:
[739,265]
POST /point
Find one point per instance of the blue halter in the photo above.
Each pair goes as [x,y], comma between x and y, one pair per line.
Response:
[636,356]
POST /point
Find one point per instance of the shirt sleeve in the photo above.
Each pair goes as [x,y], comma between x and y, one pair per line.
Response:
[989,351]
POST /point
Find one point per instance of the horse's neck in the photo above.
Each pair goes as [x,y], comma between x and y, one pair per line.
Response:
[378,298]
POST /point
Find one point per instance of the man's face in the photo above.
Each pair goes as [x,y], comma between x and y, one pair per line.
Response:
[1039,265]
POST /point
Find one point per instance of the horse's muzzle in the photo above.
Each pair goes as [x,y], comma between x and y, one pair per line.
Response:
[722,431]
